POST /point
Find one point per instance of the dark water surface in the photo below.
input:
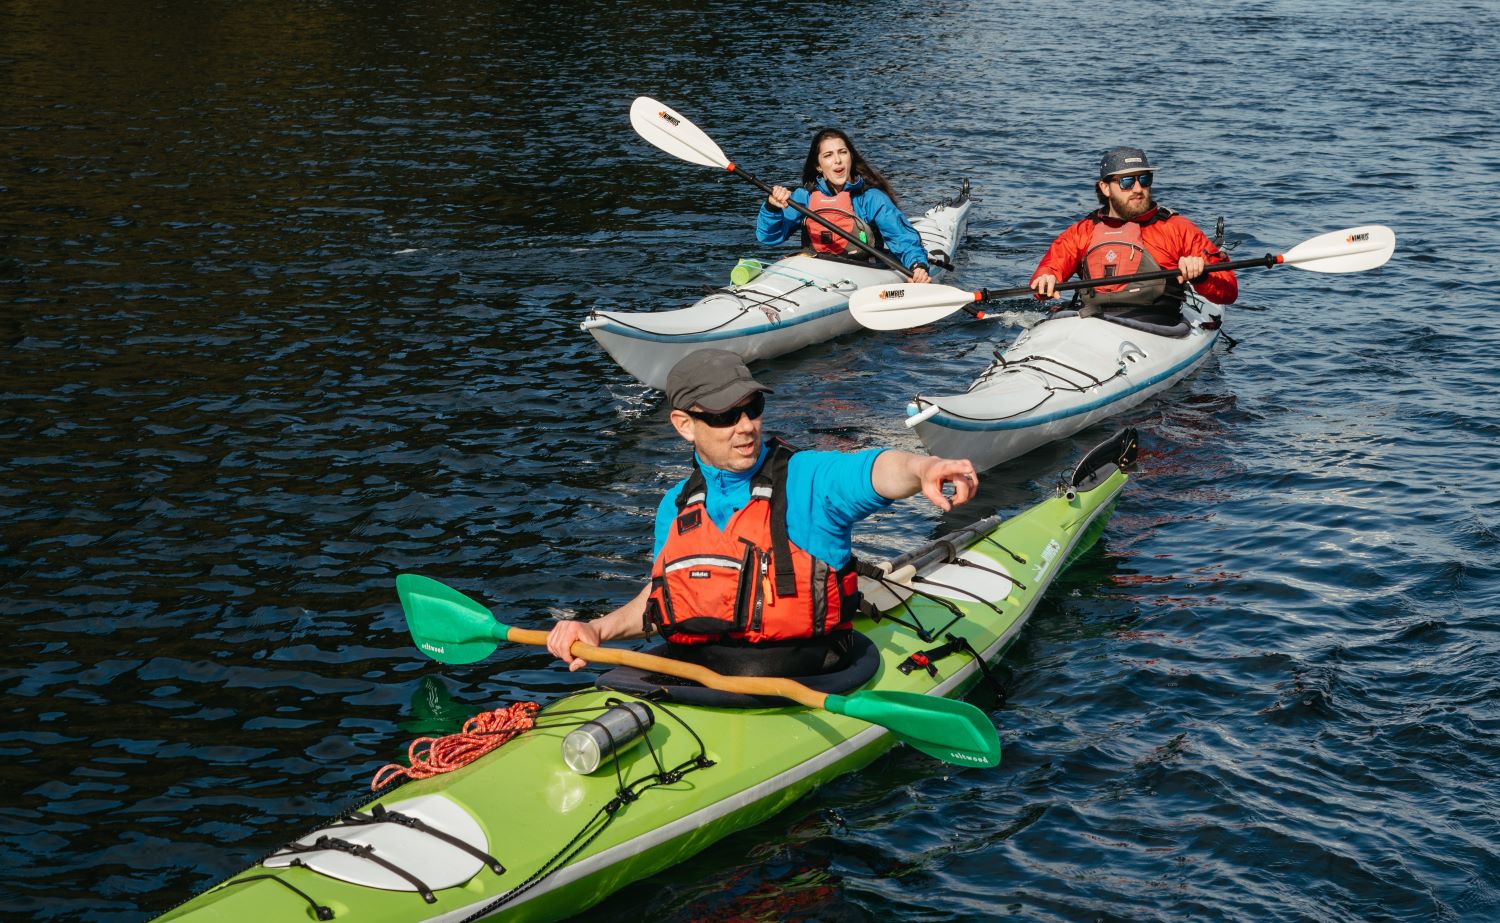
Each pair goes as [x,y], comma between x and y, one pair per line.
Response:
[291,295]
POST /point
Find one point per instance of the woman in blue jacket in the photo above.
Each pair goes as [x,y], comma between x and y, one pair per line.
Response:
[838,185]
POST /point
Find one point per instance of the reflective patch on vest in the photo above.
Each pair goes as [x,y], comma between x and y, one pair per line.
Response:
[820,573]
[702,560]
[689,521]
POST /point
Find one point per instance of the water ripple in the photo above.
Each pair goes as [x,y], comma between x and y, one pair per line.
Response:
[293,309]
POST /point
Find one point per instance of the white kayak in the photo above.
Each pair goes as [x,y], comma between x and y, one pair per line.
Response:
[792,303]
[1062,375]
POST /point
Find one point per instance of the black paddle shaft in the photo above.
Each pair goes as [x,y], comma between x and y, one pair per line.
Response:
[1267,260]
[737,171]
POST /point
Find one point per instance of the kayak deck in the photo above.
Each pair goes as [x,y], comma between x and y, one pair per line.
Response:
[1057,378]
[566,841]
[792,303]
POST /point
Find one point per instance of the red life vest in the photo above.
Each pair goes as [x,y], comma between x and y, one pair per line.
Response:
[747,582]
[1116,248]
[837,210]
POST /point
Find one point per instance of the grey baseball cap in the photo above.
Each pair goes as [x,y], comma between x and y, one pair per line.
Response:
[714,379]
[1123,160]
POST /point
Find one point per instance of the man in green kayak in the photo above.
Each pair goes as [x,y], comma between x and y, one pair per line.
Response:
[1129,234]
[753,573]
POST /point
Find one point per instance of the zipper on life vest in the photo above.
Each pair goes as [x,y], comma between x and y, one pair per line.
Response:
[762,568]
[746,597]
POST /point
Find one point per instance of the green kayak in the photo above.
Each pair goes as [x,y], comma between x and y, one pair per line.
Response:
[519,835]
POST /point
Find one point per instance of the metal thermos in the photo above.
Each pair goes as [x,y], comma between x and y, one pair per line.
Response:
[587,746]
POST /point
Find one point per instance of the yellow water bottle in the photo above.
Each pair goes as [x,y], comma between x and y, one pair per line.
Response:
[745,270]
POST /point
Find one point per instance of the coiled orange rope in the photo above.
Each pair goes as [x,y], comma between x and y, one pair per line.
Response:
[481,734]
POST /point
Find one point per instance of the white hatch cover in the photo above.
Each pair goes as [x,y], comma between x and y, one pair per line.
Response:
[985,580]
[427,858]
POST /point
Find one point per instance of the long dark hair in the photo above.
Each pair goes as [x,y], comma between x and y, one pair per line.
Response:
[858,165]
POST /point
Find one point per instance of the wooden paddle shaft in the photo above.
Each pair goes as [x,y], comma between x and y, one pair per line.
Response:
[779,687]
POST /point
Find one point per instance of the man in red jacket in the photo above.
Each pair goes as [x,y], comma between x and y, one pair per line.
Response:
[1131,234]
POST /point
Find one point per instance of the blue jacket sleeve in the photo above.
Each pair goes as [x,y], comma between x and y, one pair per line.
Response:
[772,226]
[876,208]
[827,494]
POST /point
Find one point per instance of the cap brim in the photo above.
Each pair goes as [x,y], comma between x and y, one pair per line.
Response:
[725,398]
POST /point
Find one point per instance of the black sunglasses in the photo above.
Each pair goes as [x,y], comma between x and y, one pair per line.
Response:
[1128,182]
[723,418]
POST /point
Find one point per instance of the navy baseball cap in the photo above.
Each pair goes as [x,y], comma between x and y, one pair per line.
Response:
[1118,160]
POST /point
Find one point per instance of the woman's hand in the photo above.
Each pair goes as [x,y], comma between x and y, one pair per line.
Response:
[779,198]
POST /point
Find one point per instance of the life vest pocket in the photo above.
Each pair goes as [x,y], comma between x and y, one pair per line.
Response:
[701,594]
[1115,258]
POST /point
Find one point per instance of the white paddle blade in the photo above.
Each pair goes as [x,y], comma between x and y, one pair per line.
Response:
[897,307]
[667,129]
[1349,250]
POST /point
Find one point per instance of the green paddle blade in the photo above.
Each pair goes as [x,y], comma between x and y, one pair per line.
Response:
[445,624]
[949,730]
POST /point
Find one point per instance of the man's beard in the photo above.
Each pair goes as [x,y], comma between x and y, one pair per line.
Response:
[1127,209]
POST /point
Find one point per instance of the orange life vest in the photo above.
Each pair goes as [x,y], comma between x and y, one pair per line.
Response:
[746,582]
[1116,249]
[837,210]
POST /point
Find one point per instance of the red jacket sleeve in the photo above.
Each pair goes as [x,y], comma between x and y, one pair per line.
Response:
[1063,258]
[1177,237]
